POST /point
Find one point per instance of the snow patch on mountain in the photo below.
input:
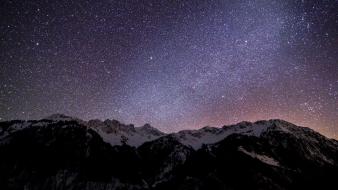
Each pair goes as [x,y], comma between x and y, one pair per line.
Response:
[263,158]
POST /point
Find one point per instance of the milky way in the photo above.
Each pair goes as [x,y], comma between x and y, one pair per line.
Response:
[174,64]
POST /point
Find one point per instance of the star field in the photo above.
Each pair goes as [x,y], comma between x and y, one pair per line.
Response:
[174,64]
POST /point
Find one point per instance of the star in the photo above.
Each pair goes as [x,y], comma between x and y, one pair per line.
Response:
[176,65]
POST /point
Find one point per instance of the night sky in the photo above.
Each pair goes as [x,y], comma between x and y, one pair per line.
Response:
[174,64]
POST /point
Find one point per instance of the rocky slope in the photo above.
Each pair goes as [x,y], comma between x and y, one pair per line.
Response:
[61,152]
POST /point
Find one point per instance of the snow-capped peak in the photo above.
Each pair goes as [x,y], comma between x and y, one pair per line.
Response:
[210,135]
[116,133]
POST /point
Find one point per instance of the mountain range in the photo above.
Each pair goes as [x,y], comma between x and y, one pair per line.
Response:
[61,152]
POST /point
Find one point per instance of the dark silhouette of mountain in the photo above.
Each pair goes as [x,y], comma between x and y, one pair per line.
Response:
[61,152]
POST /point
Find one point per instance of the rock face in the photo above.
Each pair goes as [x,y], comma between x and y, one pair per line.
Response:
[60,152]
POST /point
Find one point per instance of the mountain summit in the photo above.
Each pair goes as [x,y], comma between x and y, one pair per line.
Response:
[62,152]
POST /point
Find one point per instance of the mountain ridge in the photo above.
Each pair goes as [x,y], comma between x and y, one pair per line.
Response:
[114,132]
[73,154]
